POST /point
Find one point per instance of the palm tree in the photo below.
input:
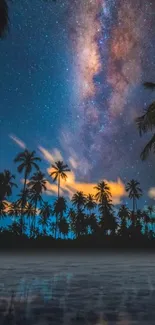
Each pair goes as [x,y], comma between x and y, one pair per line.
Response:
[93,224]
[72,217]
[138,223]
[15,228]
[60,206]
[150,210]
[146,220]
[24,195]
[14,210]
[103,190]
[37,186]
[3,207]
[4,19]
[103,196]
[134,192]
[45,212]
[124,215]
[79,200]
[90,202]
[6,184]
[30,214]
[52,227]
[146,123]
[59,172]
[27,161]
[63,226]
[80,224]
[106,214]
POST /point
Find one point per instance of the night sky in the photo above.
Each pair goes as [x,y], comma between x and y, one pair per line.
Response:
[71,80]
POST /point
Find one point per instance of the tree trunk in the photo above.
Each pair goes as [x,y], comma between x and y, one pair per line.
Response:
[56,226]
[22,208]
[34,224]
[58,186]
[133,205]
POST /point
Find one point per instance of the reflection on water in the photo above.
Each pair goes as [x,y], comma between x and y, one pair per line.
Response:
[86,289]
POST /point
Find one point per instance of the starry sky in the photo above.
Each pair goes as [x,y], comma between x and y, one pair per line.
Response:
[71,81]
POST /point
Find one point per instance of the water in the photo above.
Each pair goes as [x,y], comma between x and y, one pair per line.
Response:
[82,288]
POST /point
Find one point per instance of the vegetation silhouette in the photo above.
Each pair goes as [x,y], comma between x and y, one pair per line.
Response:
[85,221]
[27,161]
[4,17]
[146,123]
[134,191]
[59,173]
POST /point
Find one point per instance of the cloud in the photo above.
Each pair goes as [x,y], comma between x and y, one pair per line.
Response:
[71,185]
[19,142]
[151,193]
[50,157]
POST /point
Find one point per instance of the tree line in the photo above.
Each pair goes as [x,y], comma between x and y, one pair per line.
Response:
[83,215]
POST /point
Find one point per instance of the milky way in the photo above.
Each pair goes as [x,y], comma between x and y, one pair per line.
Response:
[108,42]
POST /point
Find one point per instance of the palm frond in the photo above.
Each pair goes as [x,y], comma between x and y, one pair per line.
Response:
[150,145]
[21,167]
[146,122]
[35,165]
[4,19]
[149,85]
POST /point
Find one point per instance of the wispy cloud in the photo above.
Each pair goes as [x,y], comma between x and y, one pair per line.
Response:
[18,141]
[50,157]
[71,185]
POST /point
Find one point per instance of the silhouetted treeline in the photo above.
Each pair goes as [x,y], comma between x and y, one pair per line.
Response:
[89,220]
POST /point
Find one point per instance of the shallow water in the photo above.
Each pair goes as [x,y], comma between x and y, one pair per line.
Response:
[83,288]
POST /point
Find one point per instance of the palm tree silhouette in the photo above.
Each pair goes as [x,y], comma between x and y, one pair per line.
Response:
[91,219]
[79,200]
[92,223]
[146,123]
[134,192]
[150,210]
[59,172]
[60,206]
[103,190]
[72,217]
[103,196]
[14,210]
[37,186]
[90,202]
[52,227]
[124,215]
[6,184]
[27,161]
[4,19]
[106,214]
[45,212]
[3,207]
[24,195]
[30,214]
[63,226]
[135,227]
